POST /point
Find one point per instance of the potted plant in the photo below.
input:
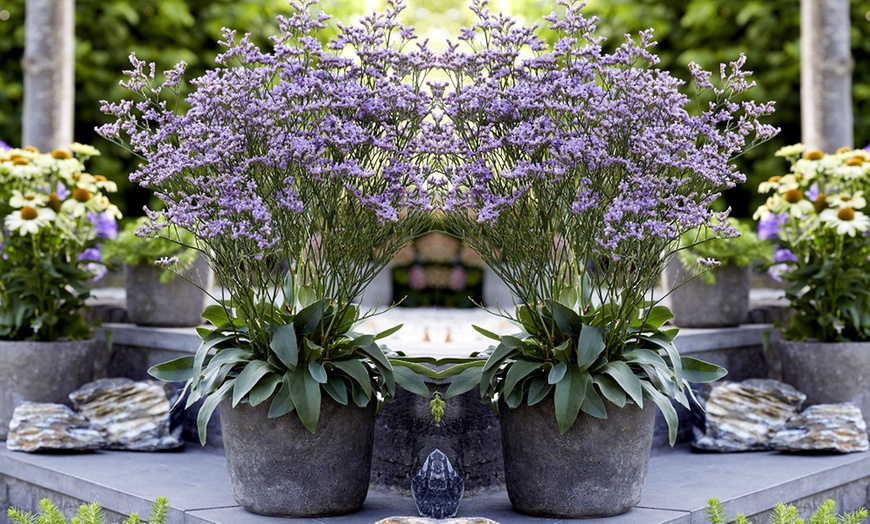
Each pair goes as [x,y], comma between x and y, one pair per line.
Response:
[54,215]
[574,174]
[815,214]
[295,170]
[154,296]
[700,296]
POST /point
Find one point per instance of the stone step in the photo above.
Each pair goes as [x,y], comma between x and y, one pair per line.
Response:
[195,482]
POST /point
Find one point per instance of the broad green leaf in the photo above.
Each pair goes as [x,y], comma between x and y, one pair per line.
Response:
[217,315]
[459,365]
[337,389]
[308,318]
[696,370]
[517,371]
[512,342]
[375,353]
[230,356]
[175,370]
[410,381]
[671,351]
[539,388]
[568,397]
[285,346]
[566,319]
[305,392]
[363,340]
[467,380]
[589,346]
[203,350]
[358,372]
[264,389]
[666,407]
[387,332]
[568,297]
[419,369]
[627,380]
[515,398]
[486,333]
[592,404]
[561,352]
[557,372]
[209,405]
[248,378]
[657,316]
[282,403]
[611,390]
[311,351]
[359,396]
[317,372]
[498,356]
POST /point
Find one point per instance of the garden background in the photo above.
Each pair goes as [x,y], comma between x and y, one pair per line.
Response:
[708,32]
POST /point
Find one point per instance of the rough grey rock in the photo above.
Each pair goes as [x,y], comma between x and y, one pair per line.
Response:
[437,489]
[425,520]
[130,415]
[744,416]
[824,427]
[40,426]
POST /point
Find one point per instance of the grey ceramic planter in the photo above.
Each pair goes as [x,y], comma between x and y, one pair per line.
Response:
[596,469]
[828,372]
[697,304]
[278,468]
[177,303]
[42,372]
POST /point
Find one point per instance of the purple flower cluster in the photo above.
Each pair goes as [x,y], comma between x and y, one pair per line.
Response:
[266,130]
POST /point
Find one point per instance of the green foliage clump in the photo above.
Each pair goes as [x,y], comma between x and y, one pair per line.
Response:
[742,251]
[87,514]
[782,514]
[131,249]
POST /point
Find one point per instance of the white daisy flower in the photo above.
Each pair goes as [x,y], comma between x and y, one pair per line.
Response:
[31,199]
[793,202]
[792,150]
[855,201]
[845,220]
[28,220]
[80,202]
[84,150]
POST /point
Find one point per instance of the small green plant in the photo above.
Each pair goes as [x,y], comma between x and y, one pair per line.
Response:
[742,251]
[782,514]
[131,249]
[87,514]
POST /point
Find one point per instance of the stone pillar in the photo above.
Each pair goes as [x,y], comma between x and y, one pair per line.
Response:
[826,75]
[49,73]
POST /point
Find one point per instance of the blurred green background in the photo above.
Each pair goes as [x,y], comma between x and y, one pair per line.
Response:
[166,31]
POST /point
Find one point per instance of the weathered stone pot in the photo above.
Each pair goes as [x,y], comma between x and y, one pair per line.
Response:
[177,303]
[828,372]
[697,304]
[42,372]
[278,468]
[596,469]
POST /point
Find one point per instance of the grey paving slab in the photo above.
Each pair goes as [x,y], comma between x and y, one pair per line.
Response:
[196,484]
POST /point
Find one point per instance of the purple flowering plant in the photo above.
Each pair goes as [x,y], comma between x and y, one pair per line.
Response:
[574,173]
[816,215]
[55,215]
[299,171]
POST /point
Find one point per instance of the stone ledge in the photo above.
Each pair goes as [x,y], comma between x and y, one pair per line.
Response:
[678,486]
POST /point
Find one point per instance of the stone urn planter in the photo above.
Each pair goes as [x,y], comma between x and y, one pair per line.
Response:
[278,468]
[828,372]
[177,303]
[698,304]
[42,372]
[596,469]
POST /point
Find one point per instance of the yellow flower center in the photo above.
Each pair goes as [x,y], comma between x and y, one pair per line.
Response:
[820,204]
[29,213]
[845,198]
[54,202]
[843,150]
[100,178]
[793,196]
[81,195]
[19,161]
[855,161]
[60,154]
[774,178]
[815,154]
[31,149]
[846,214]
